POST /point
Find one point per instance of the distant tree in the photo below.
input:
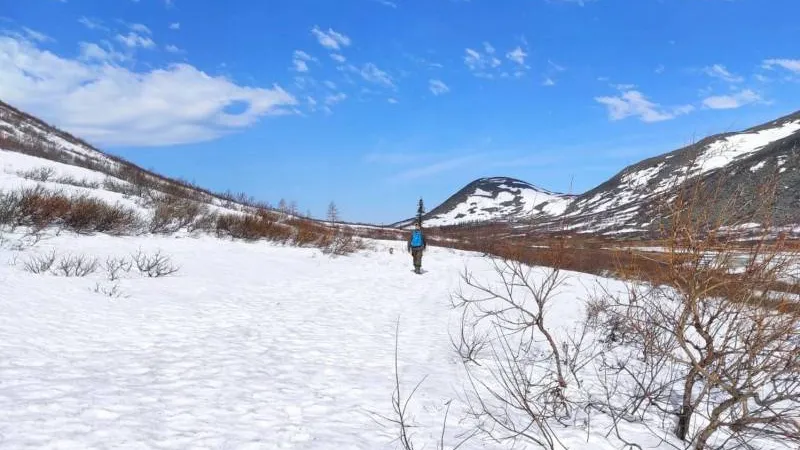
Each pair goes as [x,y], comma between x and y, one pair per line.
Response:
[282,207]
[420,211]
[333,213]
[308,214]
[293,208]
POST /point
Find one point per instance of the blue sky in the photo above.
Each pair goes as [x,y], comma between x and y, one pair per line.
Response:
[374,103]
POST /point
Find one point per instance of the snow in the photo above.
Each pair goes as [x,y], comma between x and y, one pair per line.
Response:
[758,166]
[508,202]
[247,346]
[724,151]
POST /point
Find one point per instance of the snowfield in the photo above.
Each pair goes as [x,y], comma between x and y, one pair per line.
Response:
[247,346]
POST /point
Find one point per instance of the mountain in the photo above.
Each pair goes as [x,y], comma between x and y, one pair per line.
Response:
[496,198]
[628,203]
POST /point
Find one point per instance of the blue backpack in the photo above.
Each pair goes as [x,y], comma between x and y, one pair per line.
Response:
[416,239]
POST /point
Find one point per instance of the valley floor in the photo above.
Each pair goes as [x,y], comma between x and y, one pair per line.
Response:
[246,346]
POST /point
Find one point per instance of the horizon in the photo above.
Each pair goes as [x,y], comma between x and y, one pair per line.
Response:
[402,100]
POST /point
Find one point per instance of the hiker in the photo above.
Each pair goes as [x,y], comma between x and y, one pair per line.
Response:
[416,245]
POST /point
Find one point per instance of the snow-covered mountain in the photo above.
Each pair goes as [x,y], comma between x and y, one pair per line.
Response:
[629,201]
[496,198]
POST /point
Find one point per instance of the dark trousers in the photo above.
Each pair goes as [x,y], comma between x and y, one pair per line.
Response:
[416,253]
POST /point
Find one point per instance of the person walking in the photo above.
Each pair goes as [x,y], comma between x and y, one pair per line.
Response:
[417,245]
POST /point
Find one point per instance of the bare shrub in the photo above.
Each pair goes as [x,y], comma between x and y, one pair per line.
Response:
[173,214]
[342,242]
[713,337]
[154,266]
[72,181]
[114,290]
[117,266]
[527,366]
[41,174]
[75,266]
[40,264]
[88,215]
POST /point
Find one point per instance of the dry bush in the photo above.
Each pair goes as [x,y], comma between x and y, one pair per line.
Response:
[40,174]
[72,181]
[154,266]
[714,336]
[75,266]
[173,214]
[40,264]
[341,242]
[115,267]
[38,208]
[113,290]
[87,215]
[253,227]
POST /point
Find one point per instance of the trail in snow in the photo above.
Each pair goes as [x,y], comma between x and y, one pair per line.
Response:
[248,346]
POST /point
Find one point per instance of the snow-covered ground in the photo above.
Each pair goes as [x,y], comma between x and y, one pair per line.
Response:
[247,346]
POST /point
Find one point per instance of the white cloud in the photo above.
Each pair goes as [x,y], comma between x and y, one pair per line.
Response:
[388,3]
[660,69]
[370,72]
[479,62]
[719,71]
[635,104]
[173,49]
[438,87]
[436,168]
[338,58]
[175,26]
[300,61]
[732,101]
[94,52]
[393,101]
[792,65]
[169,3]
[36,35]
[139,28]
[548,82]
[333,99]
[331,39]
[329,84]
[517,55]
[92,24]
[577,2]
[113,105]
[134,40]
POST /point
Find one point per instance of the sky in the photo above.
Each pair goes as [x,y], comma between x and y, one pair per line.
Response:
[373,104]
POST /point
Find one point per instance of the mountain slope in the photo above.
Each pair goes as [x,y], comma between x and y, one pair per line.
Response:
[496,198]
[629,202]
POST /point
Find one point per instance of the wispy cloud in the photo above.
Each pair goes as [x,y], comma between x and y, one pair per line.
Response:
[92,24]
[721,72]
[300,61]
[479,62]
[173,49]
[517,55]
[175,26]
[133,40]
[94,52]
[371,73]
[634,104]
[548,82]
[338,58]
[732,101]
[438,87]
[333,99]
[388,3]
[36,35]
[792,65]
[436,168]
[331,39]
[140,28]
